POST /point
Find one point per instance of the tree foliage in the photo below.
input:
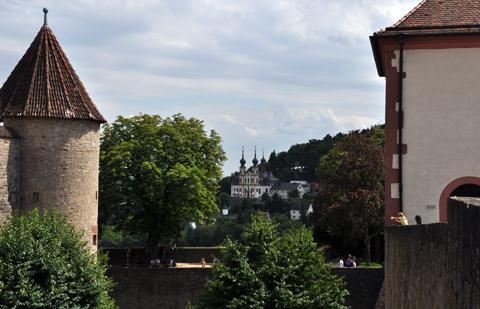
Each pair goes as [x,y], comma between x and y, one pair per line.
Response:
[272,272]
[157,173]
[45,264]
[350,189]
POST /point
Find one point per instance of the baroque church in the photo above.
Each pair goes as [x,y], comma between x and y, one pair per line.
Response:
[253,183]
[50,138]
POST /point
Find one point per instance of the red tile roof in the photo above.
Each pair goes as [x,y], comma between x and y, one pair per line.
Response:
[45,85]
[437,16]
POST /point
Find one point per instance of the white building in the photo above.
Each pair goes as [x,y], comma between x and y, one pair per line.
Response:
[430,61]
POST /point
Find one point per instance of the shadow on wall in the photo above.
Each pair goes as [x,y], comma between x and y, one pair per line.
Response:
[435,265]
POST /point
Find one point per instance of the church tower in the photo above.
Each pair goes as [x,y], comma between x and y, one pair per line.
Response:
[44,103]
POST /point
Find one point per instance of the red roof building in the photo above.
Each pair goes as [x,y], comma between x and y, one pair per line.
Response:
[431,63]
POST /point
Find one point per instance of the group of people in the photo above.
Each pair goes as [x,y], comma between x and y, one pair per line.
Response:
[350,261]
[404,221]
[158,263]
[163,249]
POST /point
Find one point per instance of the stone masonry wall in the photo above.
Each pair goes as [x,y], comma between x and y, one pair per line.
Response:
[435,265]
[59,168]
[9,175]
[171,288]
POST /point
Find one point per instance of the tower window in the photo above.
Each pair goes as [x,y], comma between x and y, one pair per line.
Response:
[35,196]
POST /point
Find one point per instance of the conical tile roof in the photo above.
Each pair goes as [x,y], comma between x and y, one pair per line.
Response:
[45,85]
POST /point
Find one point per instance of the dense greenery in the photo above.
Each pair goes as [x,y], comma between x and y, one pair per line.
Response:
[157,173]
[350,189]
[44,264]
[270,271]
[111,238]
[231,227]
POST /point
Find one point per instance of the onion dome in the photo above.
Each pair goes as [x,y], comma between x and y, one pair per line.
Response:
[242,161]
[44,84]
[255,160]
[263,161]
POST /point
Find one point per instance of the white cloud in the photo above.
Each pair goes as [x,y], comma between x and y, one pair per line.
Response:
[263,73]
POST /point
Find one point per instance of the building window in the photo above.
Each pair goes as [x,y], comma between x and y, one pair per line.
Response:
[94,240]
[36,197]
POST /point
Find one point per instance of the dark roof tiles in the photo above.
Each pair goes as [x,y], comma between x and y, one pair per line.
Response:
[45,85]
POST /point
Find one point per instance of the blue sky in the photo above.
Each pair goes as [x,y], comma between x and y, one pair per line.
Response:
[260,73]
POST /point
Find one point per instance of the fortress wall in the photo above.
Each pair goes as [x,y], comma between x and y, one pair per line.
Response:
[435,265]
[59,168]
[172,288]
[9,174]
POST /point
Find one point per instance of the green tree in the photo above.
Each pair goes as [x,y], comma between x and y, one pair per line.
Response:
[260,274]
[350,191]
[293,193]
[225,200]
[45,264]
[157,173]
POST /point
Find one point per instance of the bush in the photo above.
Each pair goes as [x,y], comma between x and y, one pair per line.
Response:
[45,264]
[260,275]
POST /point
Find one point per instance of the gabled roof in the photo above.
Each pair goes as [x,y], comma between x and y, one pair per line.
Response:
[432,18]
[285,186]
[439,16]
[45,85]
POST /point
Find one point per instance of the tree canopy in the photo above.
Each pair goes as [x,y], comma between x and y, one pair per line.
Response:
[272,272]
[156,173]
[45,264]
[350,188]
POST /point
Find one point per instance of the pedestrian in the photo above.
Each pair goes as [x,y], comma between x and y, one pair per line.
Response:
[340,262]
[418,219]
[202,261]
[400,219]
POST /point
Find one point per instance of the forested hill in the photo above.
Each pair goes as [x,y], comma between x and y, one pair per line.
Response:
[300,161]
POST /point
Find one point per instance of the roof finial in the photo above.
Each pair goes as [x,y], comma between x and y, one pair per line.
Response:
[45,10]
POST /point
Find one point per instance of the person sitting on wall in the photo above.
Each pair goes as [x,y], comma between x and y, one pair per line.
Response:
[169,248]
[354,261]
[173,263]
[400,219]
[157,262]
[340,262]
[152,263]
[174,247]
[202,261]
[348,261]
[418,219]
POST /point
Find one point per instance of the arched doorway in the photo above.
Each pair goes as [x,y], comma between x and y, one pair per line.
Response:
[464,186]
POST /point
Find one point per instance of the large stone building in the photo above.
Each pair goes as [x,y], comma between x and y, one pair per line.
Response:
[431,62]
[49,141]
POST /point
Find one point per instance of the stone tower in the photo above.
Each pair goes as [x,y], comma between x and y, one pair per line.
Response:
[47,111]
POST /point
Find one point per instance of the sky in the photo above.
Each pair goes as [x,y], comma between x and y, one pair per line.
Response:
[264,74]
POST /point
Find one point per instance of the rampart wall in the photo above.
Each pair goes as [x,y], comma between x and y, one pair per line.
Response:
[435,265]
[172,288]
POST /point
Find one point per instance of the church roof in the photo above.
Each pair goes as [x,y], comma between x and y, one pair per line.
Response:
[45,85]
[439,17]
